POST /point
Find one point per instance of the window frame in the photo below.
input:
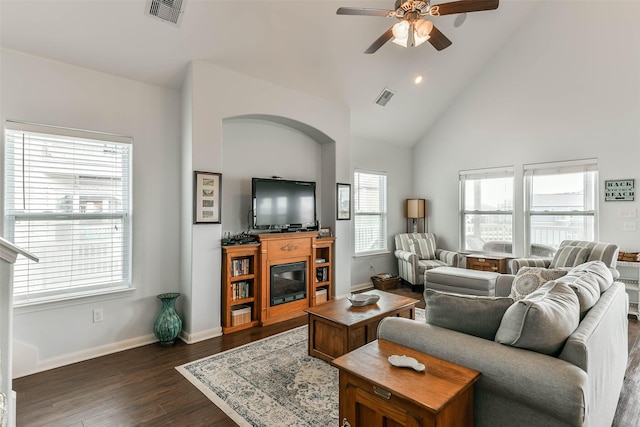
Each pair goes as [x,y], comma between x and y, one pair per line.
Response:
[72,220]
[463,212]
[382,212]
[559,168]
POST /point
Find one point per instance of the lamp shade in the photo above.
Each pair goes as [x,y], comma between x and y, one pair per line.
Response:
[415,208]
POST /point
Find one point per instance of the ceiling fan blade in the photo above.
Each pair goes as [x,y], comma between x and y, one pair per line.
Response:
[464,6]
[380,41]
[438,40]
[362,11]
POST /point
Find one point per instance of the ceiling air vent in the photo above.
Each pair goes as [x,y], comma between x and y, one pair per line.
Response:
[166,10]
[384,97]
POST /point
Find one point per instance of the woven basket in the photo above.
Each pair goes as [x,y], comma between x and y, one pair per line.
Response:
[629,256]
[385,283]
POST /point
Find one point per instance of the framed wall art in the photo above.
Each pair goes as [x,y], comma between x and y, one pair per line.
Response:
[324,232]
[207,191]
[621,190]
[343,201]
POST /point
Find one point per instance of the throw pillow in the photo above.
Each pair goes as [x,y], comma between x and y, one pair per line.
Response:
[529,279]
[569,256]
[542,321]
[585,285]
[600,271]
[425,249]
[470,314]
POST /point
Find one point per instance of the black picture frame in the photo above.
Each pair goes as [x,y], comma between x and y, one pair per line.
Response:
[207,194]
[343,201]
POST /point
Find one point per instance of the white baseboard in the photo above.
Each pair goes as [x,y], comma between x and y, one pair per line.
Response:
[91,353]
[361,287]
[200,336]
[356,288]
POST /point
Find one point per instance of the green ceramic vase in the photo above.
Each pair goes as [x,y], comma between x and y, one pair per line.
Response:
[168,323]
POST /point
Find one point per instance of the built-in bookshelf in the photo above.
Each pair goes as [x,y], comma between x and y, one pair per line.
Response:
[240,299]
[246,275]
[322,287]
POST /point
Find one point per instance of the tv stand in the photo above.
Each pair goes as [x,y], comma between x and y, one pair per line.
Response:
[272,249]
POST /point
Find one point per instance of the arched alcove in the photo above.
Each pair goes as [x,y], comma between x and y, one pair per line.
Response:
[259,145]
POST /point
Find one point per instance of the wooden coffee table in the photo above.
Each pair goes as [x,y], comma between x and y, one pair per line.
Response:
[373,393]
[337,327]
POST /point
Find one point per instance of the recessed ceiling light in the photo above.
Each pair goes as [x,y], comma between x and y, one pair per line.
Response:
[417,80]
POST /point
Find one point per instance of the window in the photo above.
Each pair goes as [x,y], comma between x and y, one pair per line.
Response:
[561,203]
[67,200]
[370,200]
[486,200]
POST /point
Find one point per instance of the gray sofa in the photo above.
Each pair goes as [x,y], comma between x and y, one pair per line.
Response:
[578,385]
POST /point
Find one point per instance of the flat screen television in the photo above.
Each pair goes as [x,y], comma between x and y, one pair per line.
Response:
[280,204]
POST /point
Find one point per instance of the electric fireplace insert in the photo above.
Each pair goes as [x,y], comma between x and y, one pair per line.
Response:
[288,283]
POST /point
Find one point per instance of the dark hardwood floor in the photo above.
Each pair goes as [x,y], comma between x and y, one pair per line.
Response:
[140,387]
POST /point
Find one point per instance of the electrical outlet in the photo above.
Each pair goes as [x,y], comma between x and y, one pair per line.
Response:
[627,213]
[98,315]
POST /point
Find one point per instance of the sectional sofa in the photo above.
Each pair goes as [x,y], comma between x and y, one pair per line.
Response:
[553,357]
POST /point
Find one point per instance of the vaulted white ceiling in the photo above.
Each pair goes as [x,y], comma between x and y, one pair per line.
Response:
[302,45]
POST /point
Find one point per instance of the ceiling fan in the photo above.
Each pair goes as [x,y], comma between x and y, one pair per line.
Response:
[413,29]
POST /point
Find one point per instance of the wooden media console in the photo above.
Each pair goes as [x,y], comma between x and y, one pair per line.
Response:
[247,275]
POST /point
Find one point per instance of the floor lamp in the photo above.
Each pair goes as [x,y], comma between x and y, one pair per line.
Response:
[415,215]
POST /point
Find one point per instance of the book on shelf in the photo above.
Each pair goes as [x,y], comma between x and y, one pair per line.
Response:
[240,290]
[240,266]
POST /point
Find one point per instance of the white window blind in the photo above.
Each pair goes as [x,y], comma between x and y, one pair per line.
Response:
[561,202]
[486,210]
[370,207]
[67,200]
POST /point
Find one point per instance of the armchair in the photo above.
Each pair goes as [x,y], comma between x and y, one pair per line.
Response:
[413,262]
[570,253]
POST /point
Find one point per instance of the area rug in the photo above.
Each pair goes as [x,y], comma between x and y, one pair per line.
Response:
[271,382]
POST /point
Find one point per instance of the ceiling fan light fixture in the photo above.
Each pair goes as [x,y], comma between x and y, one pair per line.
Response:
[417,40]
[423,28]
[401,30]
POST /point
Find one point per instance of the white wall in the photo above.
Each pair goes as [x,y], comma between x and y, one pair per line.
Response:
[396,162]
[566,86]
[280,150]
[213,94]
[43,91]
